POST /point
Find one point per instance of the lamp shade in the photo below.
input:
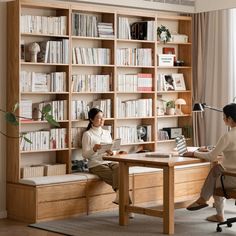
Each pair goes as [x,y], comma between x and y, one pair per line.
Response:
[198,107]
[180,101]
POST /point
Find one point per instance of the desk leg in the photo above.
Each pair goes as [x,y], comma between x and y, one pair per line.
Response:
[123,193]
[168,200]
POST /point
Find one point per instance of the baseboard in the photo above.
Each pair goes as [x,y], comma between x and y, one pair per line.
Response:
[3,214]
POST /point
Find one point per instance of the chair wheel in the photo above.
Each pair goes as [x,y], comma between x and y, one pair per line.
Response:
[229,225]
[219,229]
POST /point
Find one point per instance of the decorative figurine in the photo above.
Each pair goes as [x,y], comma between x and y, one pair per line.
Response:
[34,49]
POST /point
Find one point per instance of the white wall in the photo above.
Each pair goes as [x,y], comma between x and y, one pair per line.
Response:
[211,5]
[3,57]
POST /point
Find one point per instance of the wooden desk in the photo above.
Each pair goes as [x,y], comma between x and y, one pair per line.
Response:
[167,165]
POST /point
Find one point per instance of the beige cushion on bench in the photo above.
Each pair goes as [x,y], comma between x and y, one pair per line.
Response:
[34,181]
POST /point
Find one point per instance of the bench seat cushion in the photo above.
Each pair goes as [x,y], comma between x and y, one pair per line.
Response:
[44,180]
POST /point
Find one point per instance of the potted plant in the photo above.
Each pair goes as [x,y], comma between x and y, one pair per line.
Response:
[170,107]
[163,34]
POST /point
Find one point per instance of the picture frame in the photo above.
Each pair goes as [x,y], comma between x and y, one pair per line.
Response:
[169,83]
[168,50]
[178,80]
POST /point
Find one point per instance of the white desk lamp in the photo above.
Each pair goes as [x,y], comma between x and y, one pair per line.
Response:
[179,102]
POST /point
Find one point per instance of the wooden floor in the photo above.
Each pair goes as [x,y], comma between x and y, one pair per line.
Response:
[15,228]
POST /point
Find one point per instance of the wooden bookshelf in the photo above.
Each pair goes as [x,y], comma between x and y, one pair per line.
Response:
[72,11]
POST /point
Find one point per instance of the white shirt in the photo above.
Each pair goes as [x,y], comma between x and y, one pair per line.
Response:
[94,135]
[226,145]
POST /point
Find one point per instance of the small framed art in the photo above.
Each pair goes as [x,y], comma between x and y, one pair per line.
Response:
[178,80]
[169,83]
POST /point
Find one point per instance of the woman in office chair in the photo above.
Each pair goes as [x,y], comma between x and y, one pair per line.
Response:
[226,145]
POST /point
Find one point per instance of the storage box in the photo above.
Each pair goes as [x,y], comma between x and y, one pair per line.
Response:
[55,169]
[173,132]
[166,59]
[179,38]
[32,171]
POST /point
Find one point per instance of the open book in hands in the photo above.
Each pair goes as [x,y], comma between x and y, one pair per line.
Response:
[114,146]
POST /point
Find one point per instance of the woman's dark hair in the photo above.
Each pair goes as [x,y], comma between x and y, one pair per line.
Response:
[230,111]
[91,114]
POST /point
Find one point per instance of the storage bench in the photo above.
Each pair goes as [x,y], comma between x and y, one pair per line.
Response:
[53,197]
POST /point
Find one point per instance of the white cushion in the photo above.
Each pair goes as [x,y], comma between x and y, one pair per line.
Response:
[34,181]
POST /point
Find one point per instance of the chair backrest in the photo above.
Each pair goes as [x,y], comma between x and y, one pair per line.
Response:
[181,145]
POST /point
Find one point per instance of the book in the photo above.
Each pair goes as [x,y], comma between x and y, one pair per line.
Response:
[114,146]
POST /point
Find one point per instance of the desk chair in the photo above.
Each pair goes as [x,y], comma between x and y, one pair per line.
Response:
[227,193]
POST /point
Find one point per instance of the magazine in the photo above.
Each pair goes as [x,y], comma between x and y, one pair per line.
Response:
[114,146]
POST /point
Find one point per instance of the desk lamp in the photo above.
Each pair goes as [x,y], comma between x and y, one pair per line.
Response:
[199,107]
[179,102]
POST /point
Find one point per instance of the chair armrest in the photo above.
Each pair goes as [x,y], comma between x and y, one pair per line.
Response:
[228,173]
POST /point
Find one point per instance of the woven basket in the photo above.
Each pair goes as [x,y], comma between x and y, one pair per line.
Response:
[55,169]
[28,171]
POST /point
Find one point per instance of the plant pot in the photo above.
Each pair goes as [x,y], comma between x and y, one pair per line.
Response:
[170,111]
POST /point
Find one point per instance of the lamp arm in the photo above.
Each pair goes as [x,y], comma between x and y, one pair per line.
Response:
[213,108]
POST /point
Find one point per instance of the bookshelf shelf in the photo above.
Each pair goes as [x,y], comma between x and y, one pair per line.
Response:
[134,41]
[92,38]
[44,35]
[48,93]
[143,67]
[92,65]
[133,118]
[50,150]
[43,64]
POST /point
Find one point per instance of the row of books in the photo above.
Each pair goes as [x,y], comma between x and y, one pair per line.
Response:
[44,140]
[42,82]
[134,108]
[84,25]
[134,82]
[130,134]
[134,56]
[53,25]
[124,28]
[105,30]
[90,83]
[89,26]
[58,110]
[26,109]
[91,56]
[54,51]
[142,30]
[79,110]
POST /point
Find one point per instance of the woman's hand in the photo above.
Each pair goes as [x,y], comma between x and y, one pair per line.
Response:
[203,149]
[96,147]
[109,152]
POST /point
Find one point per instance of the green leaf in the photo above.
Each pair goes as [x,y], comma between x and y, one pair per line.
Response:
[27,140]
[16,106]
[46,109]
[11,118]
[51,121]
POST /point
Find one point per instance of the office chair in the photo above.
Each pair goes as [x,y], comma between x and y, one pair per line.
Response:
[227,193]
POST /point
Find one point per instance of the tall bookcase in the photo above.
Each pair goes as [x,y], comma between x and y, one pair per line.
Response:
[106,64]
